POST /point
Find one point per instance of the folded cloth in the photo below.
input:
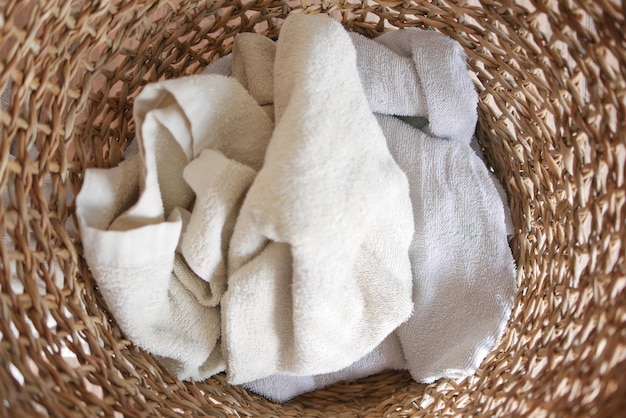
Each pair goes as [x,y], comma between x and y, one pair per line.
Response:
[463,270]
[437,80]
[219,184]
[256,55]
[318,262]
[199,137]
[392,86]
[206,242]
[281,388]
[253,66]
[390,82]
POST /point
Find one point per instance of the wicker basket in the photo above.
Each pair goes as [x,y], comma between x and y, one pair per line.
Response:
[551,77]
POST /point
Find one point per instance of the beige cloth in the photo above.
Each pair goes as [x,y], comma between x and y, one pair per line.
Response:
[318,263]
[133,218]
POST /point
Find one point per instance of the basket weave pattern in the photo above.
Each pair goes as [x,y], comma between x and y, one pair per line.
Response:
[552,120]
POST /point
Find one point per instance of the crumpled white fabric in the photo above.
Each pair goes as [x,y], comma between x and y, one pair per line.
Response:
[200,139]
[291,268]
[417,84]
[311,237]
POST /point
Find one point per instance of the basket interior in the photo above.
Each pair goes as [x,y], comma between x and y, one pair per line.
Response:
[551,78]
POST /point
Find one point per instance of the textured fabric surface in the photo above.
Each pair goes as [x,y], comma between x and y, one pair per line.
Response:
[550,77]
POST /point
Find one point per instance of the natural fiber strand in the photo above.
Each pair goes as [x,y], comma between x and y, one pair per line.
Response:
[552,82]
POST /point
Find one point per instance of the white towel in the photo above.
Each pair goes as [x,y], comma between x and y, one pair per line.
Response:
[389,80]
[463,270]
[464,274]
[253,66]
[133,218]
[133,270]
[422,77]
[252,63]
[438,78]
[318,262]
[219,184]
[207,240]
[392,85]
[282,388]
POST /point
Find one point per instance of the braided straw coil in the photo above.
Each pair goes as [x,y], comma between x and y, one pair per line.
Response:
[552,119]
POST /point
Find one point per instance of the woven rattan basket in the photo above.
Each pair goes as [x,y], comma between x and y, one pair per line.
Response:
[551,77]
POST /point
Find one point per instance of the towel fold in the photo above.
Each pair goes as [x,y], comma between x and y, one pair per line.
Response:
[389,80]
[201,138]
[463,270]
[219,184]
[287,253]
[318,262]
[421,76]
[253,66]
[134,272]
[442,69]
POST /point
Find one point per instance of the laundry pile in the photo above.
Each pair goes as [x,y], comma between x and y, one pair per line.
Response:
[304,212]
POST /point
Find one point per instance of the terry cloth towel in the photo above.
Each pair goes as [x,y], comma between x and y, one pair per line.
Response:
[201,136]
[281,388]
[463,270]
[318,262]
[430,79]
[252,63]
[389,67]
[389,80]
[387,99]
